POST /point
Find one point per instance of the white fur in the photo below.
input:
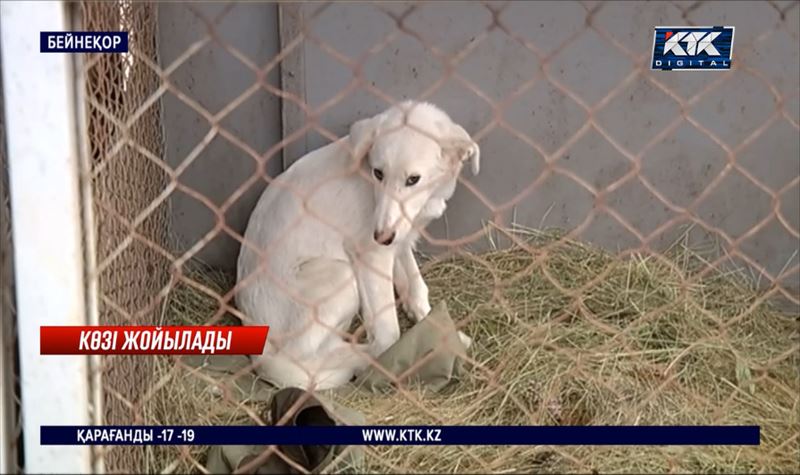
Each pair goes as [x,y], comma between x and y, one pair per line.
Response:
[315,227]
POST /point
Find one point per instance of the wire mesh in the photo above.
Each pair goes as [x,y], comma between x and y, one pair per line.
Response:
[123,183]
[141,272]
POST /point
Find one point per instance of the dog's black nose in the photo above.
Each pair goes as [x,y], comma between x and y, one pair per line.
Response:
[384,238]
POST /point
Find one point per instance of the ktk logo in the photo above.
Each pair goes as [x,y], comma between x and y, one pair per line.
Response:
[692,48]
[696,42]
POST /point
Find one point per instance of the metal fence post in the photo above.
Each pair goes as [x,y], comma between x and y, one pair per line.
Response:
[46,217]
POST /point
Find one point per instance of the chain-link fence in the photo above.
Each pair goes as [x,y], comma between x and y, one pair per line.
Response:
[627,254]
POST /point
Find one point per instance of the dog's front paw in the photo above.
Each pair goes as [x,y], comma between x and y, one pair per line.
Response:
[418,307]
[418,304]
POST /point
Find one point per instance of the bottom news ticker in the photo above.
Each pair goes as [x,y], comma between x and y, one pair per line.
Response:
[400,435]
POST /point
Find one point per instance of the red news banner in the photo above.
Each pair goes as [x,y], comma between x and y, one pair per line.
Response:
[149,340]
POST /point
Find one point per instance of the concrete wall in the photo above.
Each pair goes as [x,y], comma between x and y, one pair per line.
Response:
[213,78]
[680,166]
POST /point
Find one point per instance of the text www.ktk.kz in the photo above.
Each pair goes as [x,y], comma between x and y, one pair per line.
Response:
[402,435]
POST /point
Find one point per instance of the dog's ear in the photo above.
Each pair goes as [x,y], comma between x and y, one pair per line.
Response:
[362,135]
[459,146]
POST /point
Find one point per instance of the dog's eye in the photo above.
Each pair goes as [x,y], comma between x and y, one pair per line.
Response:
[378,174]
[412,180]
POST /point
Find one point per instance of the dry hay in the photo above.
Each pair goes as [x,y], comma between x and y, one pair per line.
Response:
[639,348]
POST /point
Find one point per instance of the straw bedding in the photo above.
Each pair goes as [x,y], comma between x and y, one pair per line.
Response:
[641,346]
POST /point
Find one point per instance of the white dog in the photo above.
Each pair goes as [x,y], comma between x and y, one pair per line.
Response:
[335,234]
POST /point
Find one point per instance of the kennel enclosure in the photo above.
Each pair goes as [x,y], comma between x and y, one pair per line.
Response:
[132,177]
